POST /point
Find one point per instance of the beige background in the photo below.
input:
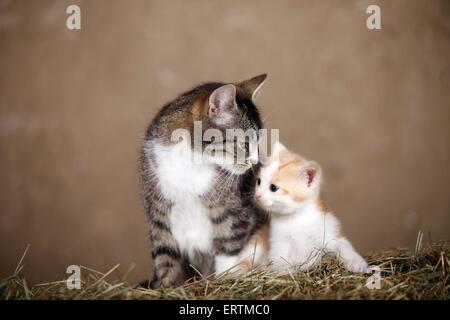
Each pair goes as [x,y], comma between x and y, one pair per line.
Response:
[372,106]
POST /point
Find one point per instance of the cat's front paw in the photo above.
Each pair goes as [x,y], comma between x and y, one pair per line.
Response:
[356,264]
[165,282]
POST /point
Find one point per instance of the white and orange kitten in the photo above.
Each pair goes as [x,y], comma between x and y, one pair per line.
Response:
[302,228]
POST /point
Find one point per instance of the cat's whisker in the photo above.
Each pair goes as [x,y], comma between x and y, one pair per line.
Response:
[218,185]
[225,184]
[228,182]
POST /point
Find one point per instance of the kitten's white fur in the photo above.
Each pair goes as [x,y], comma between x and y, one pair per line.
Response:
[301,233]
[301,239]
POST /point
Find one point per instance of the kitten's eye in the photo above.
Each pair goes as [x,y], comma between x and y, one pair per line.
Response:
[258,181]
[274,188]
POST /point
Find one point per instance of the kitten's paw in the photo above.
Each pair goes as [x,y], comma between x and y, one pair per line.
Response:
[356,264]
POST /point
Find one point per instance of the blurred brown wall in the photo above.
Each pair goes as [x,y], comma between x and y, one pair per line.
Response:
[372,106]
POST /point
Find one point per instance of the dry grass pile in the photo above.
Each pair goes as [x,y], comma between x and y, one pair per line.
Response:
[423,274]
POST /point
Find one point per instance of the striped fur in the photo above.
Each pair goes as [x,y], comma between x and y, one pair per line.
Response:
[191,225]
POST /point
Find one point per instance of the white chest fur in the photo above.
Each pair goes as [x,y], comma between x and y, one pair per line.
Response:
[183,182]
[301,239]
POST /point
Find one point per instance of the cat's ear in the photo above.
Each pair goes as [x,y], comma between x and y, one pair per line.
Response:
[311,174]
[252,87]
[221,104]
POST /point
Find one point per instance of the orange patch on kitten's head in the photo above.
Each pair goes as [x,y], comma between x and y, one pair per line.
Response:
[287,177]
[295,175]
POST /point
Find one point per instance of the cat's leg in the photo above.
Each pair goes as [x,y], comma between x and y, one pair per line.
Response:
[256,251]
[167,260]
[232,242]
[225,249]
[228,259]
[347,254]
[254,254]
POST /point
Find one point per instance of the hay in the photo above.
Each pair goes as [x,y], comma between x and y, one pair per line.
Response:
[423,274]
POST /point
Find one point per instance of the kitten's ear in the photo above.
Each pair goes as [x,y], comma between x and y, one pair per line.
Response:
[221,104]
[252,87]
[311,174]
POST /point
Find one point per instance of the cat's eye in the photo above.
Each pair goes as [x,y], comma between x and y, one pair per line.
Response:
[258,181]
[274,188]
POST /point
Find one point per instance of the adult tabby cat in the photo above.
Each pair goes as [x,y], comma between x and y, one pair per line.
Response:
[201,214]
